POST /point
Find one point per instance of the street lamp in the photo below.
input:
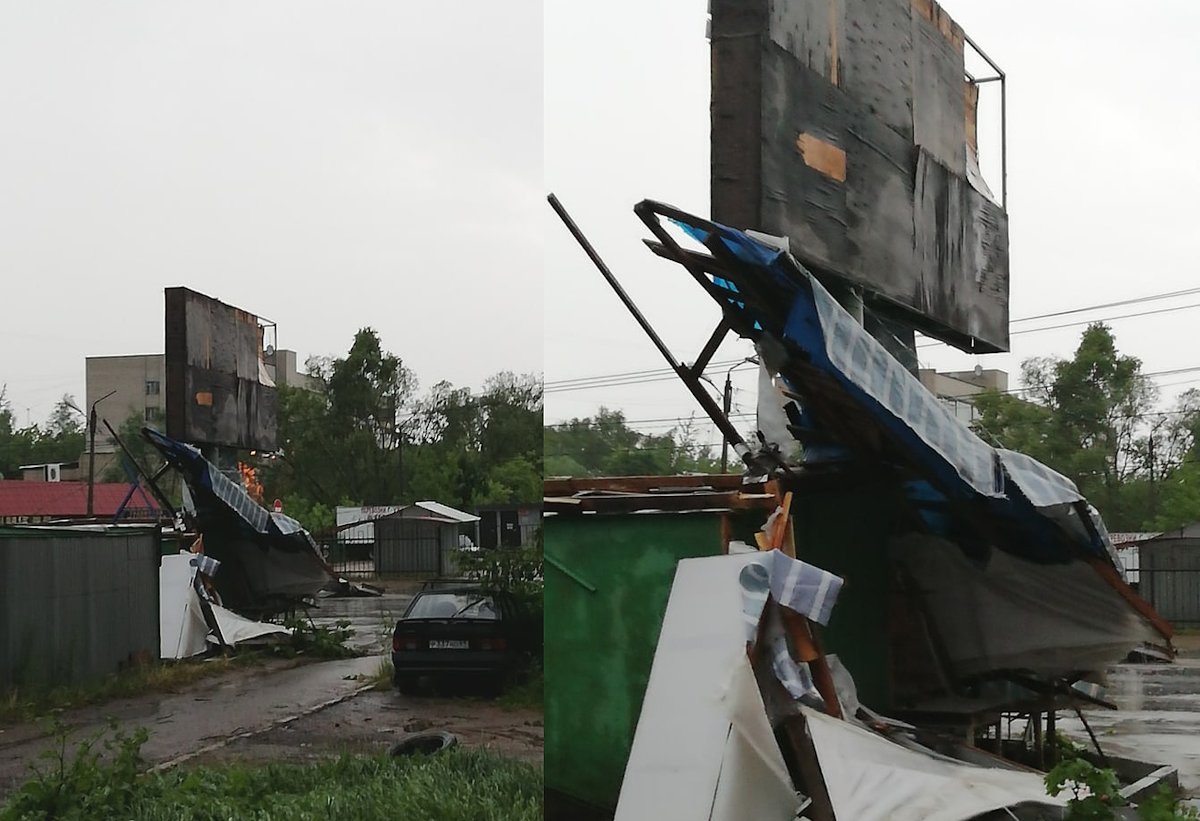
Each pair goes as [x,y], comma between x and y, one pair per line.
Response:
[91,422]
[727,405]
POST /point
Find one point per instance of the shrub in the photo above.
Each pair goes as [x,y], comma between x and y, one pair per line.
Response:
[456,785]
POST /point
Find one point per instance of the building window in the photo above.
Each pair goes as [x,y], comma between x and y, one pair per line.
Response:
[152,414]
[151,387]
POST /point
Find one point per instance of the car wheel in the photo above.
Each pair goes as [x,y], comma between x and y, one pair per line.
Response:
[405,683]
[424,744]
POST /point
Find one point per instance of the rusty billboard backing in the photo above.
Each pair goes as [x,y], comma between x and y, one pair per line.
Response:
[218,391]
[849,127]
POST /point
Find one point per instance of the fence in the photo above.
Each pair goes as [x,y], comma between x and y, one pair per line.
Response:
[508,526]
[76,603]
[372,558]
[1173,592]
[1169,578]
[352,558]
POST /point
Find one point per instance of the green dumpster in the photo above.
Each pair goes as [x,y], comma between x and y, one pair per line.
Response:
[608,578]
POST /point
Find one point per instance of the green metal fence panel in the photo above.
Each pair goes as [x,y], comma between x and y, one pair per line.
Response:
[76,604]
[608,578]
[1169,578]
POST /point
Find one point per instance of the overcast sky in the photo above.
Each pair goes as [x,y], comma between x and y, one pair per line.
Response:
[325,165]
[1102,118]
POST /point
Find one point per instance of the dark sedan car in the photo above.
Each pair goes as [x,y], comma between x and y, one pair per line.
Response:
[457,631]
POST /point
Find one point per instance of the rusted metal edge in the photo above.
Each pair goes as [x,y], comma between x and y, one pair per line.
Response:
[666,502]
[565,486]
[1143,607]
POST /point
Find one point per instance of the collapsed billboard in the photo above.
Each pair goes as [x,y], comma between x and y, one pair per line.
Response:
[218,391]
[268,562]
[849,127]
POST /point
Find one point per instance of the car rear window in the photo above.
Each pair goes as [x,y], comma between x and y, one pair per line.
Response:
[454,605]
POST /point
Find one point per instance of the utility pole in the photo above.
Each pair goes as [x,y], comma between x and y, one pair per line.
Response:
[92,453]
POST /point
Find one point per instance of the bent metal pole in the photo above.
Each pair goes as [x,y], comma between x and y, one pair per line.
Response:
[682,371]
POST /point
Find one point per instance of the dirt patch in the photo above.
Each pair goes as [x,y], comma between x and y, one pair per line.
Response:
[373,721]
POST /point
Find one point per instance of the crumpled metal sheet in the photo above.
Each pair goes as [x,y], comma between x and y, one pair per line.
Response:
[837,367]
[1043,486]
[866,363]
[268,558]
[799,586]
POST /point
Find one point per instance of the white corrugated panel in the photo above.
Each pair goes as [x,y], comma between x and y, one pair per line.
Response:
[364,532]
[447,512]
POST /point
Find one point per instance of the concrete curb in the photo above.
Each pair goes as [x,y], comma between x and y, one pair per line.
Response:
[216,745]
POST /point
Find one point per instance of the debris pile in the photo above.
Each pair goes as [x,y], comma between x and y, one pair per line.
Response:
[247,564]
[268,561]
[991,595]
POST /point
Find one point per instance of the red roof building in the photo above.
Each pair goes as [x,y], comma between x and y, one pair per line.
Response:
[24,502]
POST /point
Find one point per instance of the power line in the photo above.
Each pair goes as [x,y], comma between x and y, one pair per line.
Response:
[1085,322]
[672,446]
[674,420]
[556,383]
[616,379]
[1117,304]
[612,383]
[667,375]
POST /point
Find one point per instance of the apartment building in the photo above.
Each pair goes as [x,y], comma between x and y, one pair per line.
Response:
[958,389]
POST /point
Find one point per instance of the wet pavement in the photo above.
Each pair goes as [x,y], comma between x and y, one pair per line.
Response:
[262,700]
[1158,719]
[208,711]
[372,618]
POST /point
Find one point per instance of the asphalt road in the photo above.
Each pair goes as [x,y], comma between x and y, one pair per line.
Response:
[371,618]
[284,709]
[1158,719]
[206,713]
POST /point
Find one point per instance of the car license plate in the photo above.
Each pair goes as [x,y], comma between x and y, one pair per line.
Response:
[448,644]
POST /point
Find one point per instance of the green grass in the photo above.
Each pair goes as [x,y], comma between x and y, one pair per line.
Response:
[457,785]
[528,692]
[381,679]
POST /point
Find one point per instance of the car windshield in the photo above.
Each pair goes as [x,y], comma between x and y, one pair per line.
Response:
[467,605]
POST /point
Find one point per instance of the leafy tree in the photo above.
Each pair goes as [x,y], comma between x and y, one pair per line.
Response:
[512,417]
[1091,418]
[604,445]
[1178,501]
[61,439]
[365,434]
[65,421]
[511,482]
[316,517]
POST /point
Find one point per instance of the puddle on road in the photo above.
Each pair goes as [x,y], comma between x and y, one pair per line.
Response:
[371,618]
[1158,719]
